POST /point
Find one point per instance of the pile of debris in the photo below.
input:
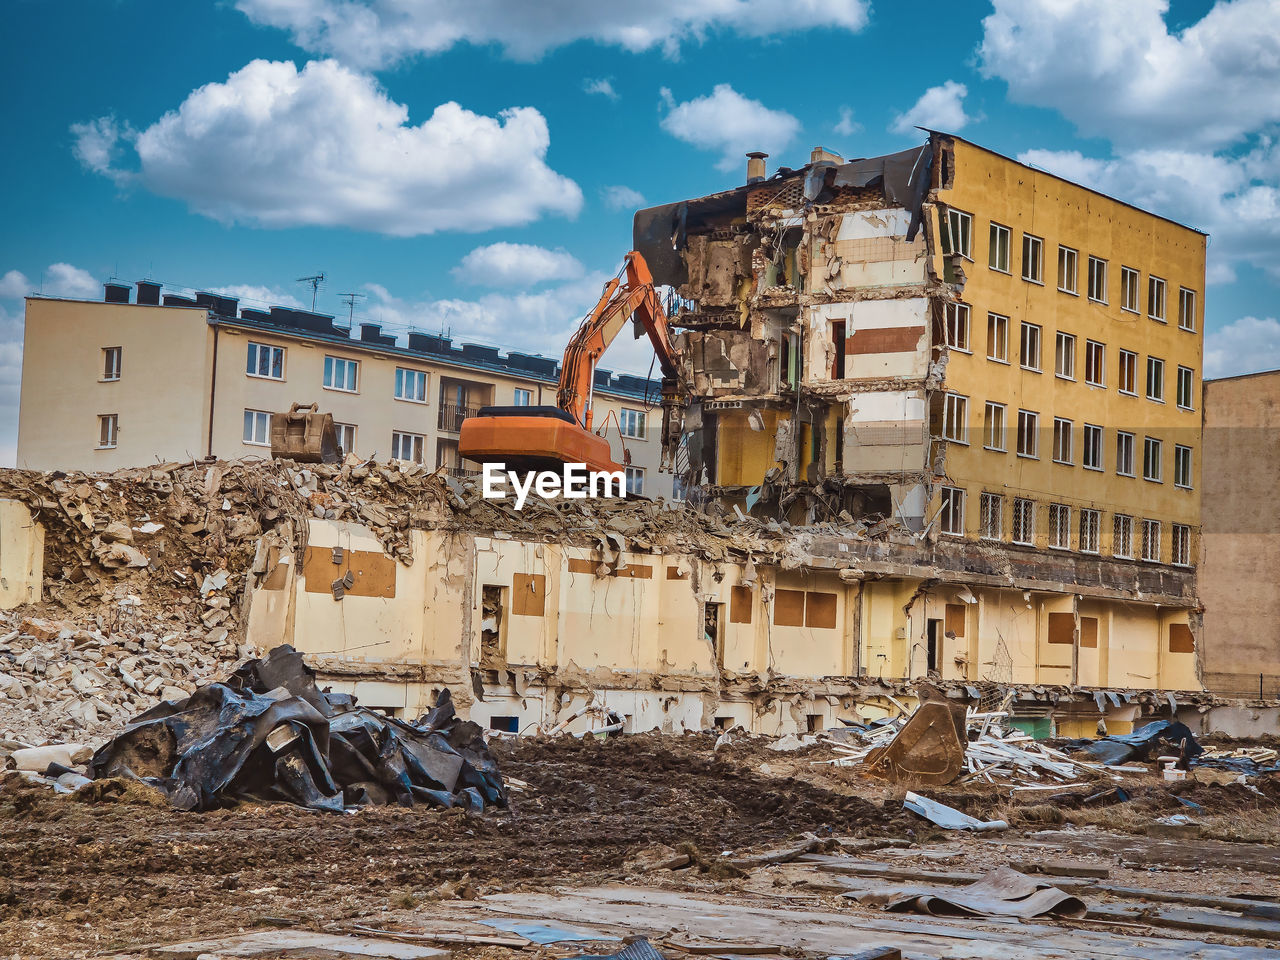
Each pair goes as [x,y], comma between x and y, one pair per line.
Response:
[269,734]
[84,677]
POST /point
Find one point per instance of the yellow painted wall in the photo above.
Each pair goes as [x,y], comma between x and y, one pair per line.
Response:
[63,392]
[21,555]
[992,188]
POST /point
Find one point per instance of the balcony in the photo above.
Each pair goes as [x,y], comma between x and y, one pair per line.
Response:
[452,415]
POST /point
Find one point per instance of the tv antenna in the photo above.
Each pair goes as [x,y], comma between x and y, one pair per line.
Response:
[350,300]
[315,281]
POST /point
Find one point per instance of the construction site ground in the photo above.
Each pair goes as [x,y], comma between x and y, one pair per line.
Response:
[116,872]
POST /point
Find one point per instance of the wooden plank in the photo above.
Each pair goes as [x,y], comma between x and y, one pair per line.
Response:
[741,600]
[529,595]
[820,610]
[1189,918]
[373,572]
[788,608]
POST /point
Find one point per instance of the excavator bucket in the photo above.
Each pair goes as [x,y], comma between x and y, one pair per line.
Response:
[305,435]
[929,749]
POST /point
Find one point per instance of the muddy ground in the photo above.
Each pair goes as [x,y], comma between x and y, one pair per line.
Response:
[83,878]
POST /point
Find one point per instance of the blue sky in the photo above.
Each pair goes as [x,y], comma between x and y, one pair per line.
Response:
[475,166]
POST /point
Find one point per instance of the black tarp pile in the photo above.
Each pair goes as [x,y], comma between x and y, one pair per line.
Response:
[1123,748]
[269,733]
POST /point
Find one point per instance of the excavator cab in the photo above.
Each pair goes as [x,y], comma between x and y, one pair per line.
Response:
[547,437]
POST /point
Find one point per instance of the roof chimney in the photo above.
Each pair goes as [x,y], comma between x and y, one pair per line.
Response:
[755,166]
[116,292]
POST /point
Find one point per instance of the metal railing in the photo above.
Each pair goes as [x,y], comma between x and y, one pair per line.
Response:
[452,415]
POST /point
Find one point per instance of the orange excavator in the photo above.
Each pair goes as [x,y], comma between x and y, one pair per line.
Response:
[546,437]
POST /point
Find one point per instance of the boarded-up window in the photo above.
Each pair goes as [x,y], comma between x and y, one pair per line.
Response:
[740,605]
[673,573]
[788,608]
[373,573]
[1180,639]
[529,595]
[579,565]
[955,618]
[820,610]
[1062,628]
[1088,631]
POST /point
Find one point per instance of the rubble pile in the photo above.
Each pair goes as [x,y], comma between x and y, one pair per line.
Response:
[269,734]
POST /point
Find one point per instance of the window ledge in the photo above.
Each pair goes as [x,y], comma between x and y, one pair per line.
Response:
[405,400]
[1182,486]
[1100,386]
[1038,283]
[263,376]
[254,443]
[1130,310]
[1023,366]
[1156,319]
[340,390]
[1063,376]
[1070,293]
[108,379]
[998,360]
[1152,480]
[1065,463]
[110,446]
[1029,456]
[996,449]
[961,349]
[1007,273]
[1126,393]
[1095,469]
[1103,303]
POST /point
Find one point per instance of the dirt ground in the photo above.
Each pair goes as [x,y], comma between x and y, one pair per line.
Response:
[85,878]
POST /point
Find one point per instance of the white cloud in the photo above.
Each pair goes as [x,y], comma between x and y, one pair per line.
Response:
[376,33]
[516,264]
[939,108]
[603,86]
[258,296]
[14,284]
[1115,70]
[326,147]
[1247,345]
[97,146]
[621,198]
[727,122]
[846,126]
[1236,200]
[64,280]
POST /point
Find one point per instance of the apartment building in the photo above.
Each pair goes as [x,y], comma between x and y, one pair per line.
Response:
[993,371]
[123,382]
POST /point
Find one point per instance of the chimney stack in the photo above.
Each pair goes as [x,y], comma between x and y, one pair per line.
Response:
[755,166]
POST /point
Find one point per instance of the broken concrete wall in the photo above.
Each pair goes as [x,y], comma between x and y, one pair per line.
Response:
[21,555]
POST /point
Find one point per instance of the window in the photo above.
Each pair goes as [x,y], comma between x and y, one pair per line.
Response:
[407,446]
[340,374]
[1028,427]
[1186,384]
[1180,547]
[1151,540]
[958,326]
[1151,459]
[635,481]
[1061,440]
[999,248]
[1122,537]
[1091,452]
[1024,520]
[411,385]
[1064,356]
[1155,379]
[1097,280]
[1186,309]
[265,361]
[997,337]
[1124,453]
[257,428]
[1129,289]
[993,426]
[108,430]
[959,237]
[951,514]
[1090,531]
[992,507]
[1067,269]
[1155,299]
[955,419]
[111,363]
[1032,258]
[523,398]
[632,422]
[1095,363]
[1182,466]
[346,433]
[1029,355]
[1129,372]
[1059,526]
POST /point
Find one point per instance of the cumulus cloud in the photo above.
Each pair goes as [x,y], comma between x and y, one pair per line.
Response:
[14,284]
[603,86]
[516,264]
[1247,345]
[1116,70]
[939,108]
[621,198]
[730,124]
[846,126]
[326,146]
[1234,199]
[376,33]
[258,295]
